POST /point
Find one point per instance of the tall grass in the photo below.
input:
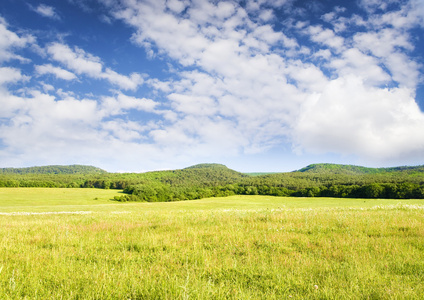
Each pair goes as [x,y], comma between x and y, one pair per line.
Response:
[252,250]
[54,199]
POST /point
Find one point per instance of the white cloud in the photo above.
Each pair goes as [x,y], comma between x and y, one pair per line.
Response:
[236,85]
[353,61]
[390,46]
[325,37]
[328,17]
[262,93]
[193,105]
[200,137]
[340,23]
[410,14]
[10,41]
[323,53]
[404,70]
[382,43]
[205,12]
[77,60]
[58,72]
[179,39]
[9,104]
[350,118]
[266,15]
[41,120]
[255,5]
[85,63]
[125,131]
[176,5]
[308,77]
[54,126]
[267,34]
[11,75]
[47,87]
[47,11]
[121,103]
[125,82]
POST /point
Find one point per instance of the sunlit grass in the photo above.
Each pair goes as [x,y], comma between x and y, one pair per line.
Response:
[47,199]
[57,199]
[221,248]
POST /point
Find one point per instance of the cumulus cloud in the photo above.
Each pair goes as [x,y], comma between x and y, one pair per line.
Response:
[125,82]
[349,117]
[58,72]
[10,75]
[325,37]
[76,59]
[353,61]
[176,5]
[236,83]
[125,131]
[10,41]
[84,63]
[372,5]
[78,127]
[120,103]
[40,119]
[386,44]
[268,97]
[231,60]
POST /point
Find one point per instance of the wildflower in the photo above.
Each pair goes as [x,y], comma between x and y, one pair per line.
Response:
[315,287]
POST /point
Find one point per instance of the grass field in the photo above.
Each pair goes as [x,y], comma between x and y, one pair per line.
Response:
[52,199]
[64,244]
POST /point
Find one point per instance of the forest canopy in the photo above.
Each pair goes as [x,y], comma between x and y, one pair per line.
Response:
[214,180]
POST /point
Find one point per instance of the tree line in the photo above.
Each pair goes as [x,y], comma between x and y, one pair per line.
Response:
[214,180]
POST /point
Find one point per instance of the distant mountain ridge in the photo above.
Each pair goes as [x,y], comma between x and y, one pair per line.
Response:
[327,168]
[54,169]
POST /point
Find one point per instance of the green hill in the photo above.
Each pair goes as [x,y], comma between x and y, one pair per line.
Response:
[207,166]
[210,174]
[54,169]
[201,175]
[357,170]
[195,182]
[213,180]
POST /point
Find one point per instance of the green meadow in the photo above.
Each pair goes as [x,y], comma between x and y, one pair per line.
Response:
[80,244]
[54,199]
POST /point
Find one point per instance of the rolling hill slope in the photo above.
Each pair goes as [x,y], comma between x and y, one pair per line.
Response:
[212,180]
[54,169]
[357,170]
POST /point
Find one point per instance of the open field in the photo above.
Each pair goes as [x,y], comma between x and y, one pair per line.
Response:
[240,247]
[54,199]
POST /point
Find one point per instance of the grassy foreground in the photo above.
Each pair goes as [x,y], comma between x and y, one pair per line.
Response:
[222,248]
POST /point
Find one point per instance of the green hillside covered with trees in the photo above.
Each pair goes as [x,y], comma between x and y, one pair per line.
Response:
[73,169]
[357,170]
[213,180]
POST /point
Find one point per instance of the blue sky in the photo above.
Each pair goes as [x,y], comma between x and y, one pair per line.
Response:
[257,85]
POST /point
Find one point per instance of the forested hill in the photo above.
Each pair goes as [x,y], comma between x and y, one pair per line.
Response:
[358,170]
[209,166]
[199,176]
[208,173]
[195,182]
[213,180]
[73,169]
